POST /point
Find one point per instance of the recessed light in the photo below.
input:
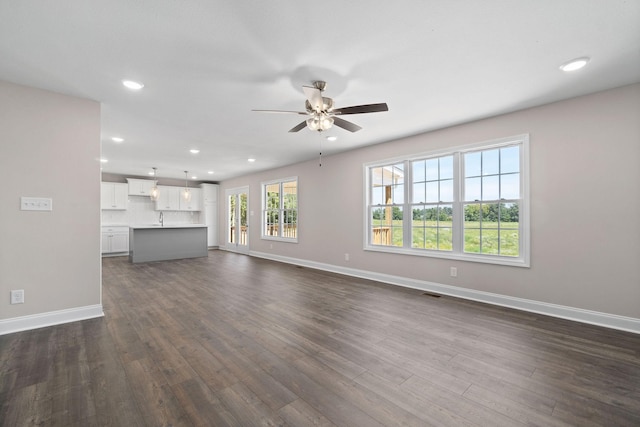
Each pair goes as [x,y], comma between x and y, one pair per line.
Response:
[251,160]
[151,173]
[194,177]
[117,139]
[574,64]
[332,138]
[194,151]
[210,172]
[103,160]
[130,84]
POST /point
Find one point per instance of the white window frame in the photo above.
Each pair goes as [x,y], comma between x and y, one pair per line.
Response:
[263,233]
[522,260]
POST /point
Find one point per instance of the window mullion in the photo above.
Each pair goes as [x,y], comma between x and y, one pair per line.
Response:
[458,205]
[407,214]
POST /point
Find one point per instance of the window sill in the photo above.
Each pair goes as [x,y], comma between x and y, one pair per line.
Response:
[279,239]
[485,259]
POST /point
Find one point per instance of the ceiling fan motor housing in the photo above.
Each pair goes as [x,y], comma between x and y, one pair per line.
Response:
[327,105]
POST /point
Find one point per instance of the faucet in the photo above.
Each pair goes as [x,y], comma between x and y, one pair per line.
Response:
[161,219]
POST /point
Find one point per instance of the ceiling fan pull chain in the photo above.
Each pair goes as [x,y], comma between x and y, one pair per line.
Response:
[320,159]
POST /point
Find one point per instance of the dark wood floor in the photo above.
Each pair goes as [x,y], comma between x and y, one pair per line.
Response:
[231,340]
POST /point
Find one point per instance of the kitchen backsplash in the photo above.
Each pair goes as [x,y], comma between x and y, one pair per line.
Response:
[141,210]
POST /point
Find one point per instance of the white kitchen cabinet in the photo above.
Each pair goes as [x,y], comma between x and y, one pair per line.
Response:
[168,198]
[209,193]
[113,196]
[195,204]
[210,212]
[140,187]
[115,239]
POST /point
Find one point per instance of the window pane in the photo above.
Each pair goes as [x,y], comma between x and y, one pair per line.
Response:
[432,169]
[445,215]
[490,244]
[398,194]
[472,189]
[491,187]
[446,191]
[489,215]
[243,209]
[510,242]
[418,171]
[509,215]
[472,164]
[397,174]
[376,176]
[431,238]
[377,216]
[396,226]
[273,196]
[445,239]
[290,191]
[472,215]
[271,221]
[432,192]
[377,196]
[418,238]
[419,192]
[418,216]
[510,186]
[490,162]
[446,167]
[472,240]
[510,159]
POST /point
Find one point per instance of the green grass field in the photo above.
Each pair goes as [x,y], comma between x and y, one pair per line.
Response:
[433,235]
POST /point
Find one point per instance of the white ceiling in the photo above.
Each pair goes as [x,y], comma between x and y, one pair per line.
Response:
[207,63]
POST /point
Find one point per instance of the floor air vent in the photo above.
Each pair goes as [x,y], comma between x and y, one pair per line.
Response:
[431,295]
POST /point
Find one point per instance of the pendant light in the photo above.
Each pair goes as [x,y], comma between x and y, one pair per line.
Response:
[186,193]
[154,193]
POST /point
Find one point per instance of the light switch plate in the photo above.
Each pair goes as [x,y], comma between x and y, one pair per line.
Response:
[36,204]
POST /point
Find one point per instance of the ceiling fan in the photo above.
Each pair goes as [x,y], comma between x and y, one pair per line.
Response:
[322,114]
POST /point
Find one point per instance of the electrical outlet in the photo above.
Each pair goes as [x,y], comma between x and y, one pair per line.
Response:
[17,296]
[346,257]
[453,272]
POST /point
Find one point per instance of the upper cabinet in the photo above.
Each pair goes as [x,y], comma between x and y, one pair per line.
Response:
[168,198]
[195,203]
[209,193]
[140,187]
[113,196]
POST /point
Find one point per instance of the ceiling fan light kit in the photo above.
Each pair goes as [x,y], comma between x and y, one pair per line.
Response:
[322,114]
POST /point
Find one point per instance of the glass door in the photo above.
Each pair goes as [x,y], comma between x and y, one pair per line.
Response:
[237,228]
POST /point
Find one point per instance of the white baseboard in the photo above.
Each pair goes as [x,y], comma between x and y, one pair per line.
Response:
[41,320]
[612,321]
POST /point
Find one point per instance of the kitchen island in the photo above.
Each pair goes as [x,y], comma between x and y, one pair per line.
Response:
[161,243]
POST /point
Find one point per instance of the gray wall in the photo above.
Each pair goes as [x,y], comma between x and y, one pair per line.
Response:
[585,205]
[49,147]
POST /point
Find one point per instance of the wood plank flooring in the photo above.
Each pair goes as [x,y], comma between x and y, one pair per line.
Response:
[232,340]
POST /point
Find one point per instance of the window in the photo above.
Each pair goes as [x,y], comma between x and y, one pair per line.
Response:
[468,203]
[280,210]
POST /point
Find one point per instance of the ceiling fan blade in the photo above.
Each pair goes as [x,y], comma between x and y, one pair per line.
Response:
[281,111]
[298,127]
[351,127]
[314,96]
[359,109]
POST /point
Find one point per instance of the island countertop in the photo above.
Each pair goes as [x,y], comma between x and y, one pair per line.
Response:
[145,226]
